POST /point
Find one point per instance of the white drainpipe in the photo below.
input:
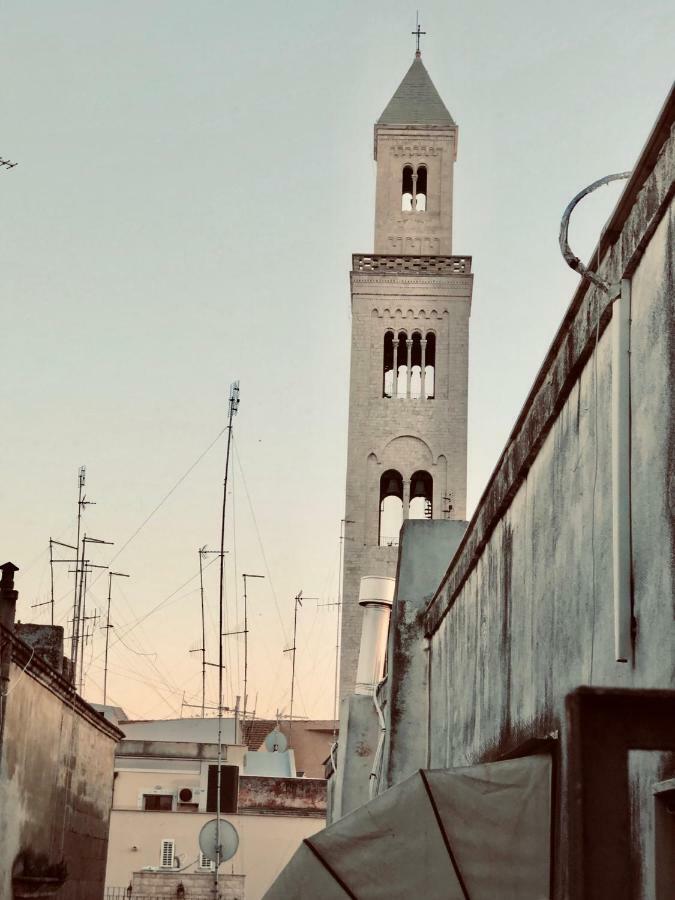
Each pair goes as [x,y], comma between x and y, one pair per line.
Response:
[621,488]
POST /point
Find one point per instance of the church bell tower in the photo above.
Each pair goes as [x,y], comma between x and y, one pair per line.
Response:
[411,301]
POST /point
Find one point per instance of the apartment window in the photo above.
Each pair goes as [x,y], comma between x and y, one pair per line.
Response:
[229,789]
[158,802]
[167,854]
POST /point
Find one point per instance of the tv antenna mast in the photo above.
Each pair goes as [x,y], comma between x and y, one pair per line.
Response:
[79,616]
[298,602]
[202,553]
[233,407]
[245,576]
[82,503]
[107,627]
[52,544]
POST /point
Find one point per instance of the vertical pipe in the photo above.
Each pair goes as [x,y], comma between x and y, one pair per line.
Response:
[621,498]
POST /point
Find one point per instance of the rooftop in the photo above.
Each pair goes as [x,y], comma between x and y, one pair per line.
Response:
[416,101]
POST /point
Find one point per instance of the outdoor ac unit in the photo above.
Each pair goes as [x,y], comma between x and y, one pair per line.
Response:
[186,795]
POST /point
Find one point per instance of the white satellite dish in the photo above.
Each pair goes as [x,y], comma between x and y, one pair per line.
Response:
[229,840]
[275,742]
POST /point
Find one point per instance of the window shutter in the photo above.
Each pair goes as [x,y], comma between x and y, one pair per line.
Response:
[229,789]
[167,853]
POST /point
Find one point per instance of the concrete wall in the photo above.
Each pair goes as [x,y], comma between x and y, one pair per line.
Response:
[423,555]
[56,774]
[266,843]
[197,885]
[525,613]
[283,796]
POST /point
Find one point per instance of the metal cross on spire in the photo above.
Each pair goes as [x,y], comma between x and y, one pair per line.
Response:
[418,33]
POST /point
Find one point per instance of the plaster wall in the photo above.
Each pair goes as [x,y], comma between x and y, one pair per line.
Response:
[266,844]
[534,618]
[56,774]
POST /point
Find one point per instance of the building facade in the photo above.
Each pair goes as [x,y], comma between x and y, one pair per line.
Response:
[165,792]
[56,767]
[411,301]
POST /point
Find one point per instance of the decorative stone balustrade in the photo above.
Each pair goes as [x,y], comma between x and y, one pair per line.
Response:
[415,265]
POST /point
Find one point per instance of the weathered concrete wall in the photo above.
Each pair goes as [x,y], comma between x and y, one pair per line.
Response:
[286,796]
[266,843]
[525,613]
[46,640]
[359,734]
[162,885]
[424,551]
[56,774]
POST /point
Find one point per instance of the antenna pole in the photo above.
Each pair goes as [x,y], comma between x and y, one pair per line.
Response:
[51,571]
[245,576]
[233,405]
[76,617]
[298,601]
[201,592]
[107,627]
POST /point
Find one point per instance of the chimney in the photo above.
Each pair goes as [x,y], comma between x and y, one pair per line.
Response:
[376,596]
[8,596]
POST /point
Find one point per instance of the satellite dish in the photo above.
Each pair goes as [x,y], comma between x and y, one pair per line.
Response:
[275,742]
[229,840]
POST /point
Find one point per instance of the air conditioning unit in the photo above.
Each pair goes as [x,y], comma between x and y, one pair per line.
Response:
[187,795]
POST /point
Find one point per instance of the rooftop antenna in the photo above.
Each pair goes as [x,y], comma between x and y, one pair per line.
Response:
[82,503]
[79,616]
[107,627]
[298,602]
[202,553]
[233,406]
[52,544]
[338,603]
[245,576]
[417,33]
[7,164]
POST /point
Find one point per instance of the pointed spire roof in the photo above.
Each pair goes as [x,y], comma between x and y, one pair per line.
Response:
[416,101]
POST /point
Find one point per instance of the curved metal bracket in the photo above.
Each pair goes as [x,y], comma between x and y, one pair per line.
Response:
[573,261]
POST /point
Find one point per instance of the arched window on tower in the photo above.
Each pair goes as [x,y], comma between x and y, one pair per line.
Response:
[416,366]
[388,367]
[429,387]
[391,508]
[421,496]
[407,189]
[402,365]
[420,204]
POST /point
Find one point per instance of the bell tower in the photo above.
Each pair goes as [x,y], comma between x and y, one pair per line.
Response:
[411,301]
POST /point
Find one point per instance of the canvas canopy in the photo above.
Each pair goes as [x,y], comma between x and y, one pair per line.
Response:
[476,833]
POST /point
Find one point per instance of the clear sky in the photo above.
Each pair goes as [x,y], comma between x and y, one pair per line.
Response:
[192,180]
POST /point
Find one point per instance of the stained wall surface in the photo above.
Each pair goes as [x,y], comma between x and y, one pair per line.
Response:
[527,616]
[56,775]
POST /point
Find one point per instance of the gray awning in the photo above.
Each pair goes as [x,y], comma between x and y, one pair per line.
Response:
[474,833]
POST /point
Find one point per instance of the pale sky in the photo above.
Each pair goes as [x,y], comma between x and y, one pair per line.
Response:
[192,181]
